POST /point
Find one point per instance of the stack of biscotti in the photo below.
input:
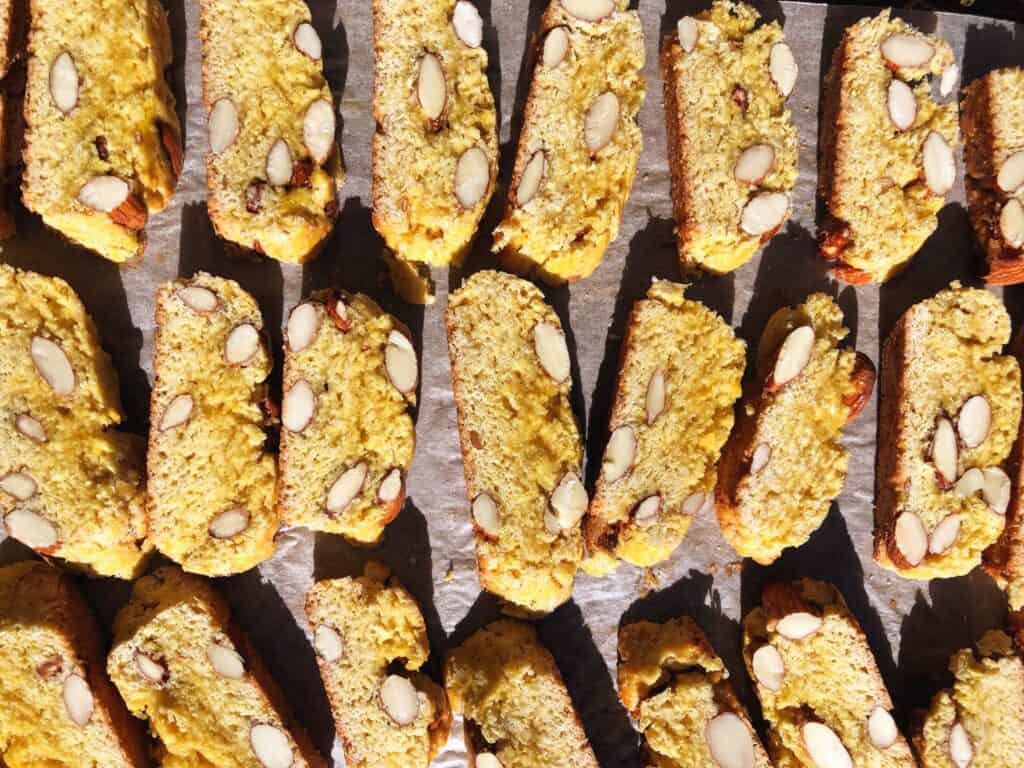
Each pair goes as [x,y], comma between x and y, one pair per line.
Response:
[580,141]
[950,411]
[273,166]
[435,150]
[350,376]
[679,379]
[102,141]
[370,640]
[819,686]
[211,483]
[994,158]
[886,147]
[59,708]
[978,722]
[180,663]
[784,464]
[521,449]
[677,688]
[732,145]
[515,707]
[71,485]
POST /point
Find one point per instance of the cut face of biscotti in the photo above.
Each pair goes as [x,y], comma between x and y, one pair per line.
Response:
[732,143]
[181,664]
[521,449]
[102,141]
[886,147]
[977,722]
[819,686]
[59,708]
[347,439]
[516,710]
[784,464]
[680,377]
[370,640]
[950,410]
[435,150]
[273,166]
[677,689]
[580,141]
[71,485]
[211,484]
[994,157]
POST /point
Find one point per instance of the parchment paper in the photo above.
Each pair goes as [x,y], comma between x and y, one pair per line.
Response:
[912,626]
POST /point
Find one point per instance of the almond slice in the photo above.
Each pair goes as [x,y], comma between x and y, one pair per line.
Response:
[647,511]
[229,523]
[764,213]
[794,355]
[1011,173]
[53,365]
[329,644]
[390,487]
[903,51]
[944,535]
[151,669]
[769,668]
[78,700]
[961,749]
[950,75]
[974,421]
[654,402]
[552,351]
[339,312]
[64,83]
[298,406]
[400,362]
[686,30]
[911,538]
[569,501]
[729,741]
[996,490]
[970,482]
[279,165]
[200,300]
[32,530]
[30,427]
[431,88]
[1011,223]
[303,326]
[307,41]
[472,177]
[620,454]
[939,165]
[759,459]
[783,68]
[19,485]
[551,524]
[589,10]
[485,514]
[242,344]
[225,661]
[400,700]
[601,121]
[346,488]
[271,746]
[222,125]
[318,131]
[487,760]
[103,193]
[902,105]
[177,412]
[694,503]
[798,625]
[882,731]
[531,178]
[754,163]
[556,46]
[944,452]
[824,746]
[468,25]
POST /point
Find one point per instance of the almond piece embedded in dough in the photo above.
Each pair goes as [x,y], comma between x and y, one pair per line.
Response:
[1011,223]
[759,459]
[654,401]
[945,534]
[754,164]
[390,487]
[271,746]
[939,165]
[303,326]
[150,669]
[903,51]
[78,700]
[279,166]
[103,193]
[911,538]
[793,357]
[647,512]
[485,514]
[589,10]
[902,105]
[242,344]
[329,643]
[996,490]
[177,412]
[552,350]
[686,29]
[569,501]
[961,749]
[400,362]
[729,741]
[400,700]
[693,503]
[468,25]
[769,668]
[882,731]
[222,125]
[229,523]
[950,75]
[798,625]
[431,88]
[556,46]
[307,41]
[601,121]
[298,406]
[318,128]
[970,482]
[29,426]
[225,661]
[945,452]
[53,365]
[531,177]
[20,485]
[974,421]
[64,83]
[783,68]
[472,177]
[32,529]
[200,300]
[825,748]
[1011,173]
[620,454]
[346,488]
[487,760]
[764,213]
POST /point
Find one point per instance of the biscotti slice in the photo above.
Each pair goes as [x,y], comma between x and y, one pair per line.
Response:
[272,167]
[370,640]
[677,688]
[102,141]
[71,485]
[979,722]
[435,150]
[521,449]
[59,708]
[819,686]
[580,141]
[516,710]
[180,663]
[950,410]
[350,376]
[732,143]
[211,483]
[994,159]
[679,379]
[784,464]
[886,147]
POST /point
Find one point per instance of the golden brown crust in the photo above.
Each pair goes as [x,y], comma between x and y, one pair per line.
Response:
[676,139]
[833,235]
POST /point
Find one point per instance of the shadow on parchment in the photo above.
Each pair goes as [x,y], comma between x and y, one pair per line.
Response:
[175,74]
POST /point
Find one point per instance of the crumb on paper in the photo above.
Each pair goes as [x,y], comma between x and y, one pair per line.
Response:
[713,568]
[648,583]
[731,569]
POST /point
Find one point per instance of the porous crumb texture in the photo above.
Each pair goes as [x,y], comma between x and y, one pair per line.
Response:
[381,633]
[675,686]
[986,701]
[254,66]
[359,417]
[872,175]
[720,100]
[506,686]
[418,206]
[828,677]
[81,492]
[992,118]
[80,65]
[943,351]
[211,483]
[50,649]
[180,664]
[558,227]
[519,437]
[795,433]
[683,349]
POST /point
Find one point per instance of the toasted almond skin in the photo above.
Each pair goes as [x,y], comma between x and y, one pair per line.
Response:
[1005,272]
[342,323]
[851,275]
[863,378]
[132,213]
[171,143]
[834,237]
